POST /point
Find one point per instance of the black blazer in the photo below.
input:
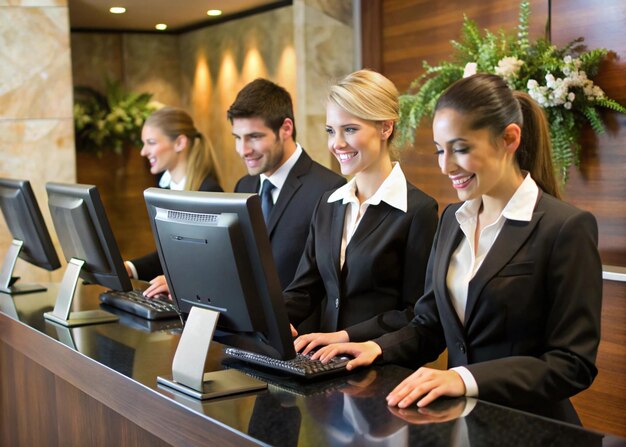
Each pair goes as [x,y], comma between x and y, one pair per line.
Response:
[289,221]
[383,272]
[532,320]
[149,266]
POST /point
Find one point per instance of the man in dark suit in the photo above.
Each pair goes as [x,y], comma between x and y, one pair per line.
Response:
[265,138]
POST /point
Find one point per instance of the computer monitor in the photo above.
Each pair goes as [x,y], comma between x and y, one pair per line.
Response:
[216,255]
[89,247]
[31,240]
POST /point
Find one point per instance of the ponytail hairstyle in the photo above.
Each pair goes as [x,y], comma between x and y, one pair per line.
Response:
[201,160]
[491,104]
[368,95]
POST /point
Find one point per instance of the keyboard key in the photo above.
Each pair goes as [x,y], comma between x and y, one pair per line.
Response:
[157,308]
[301,365]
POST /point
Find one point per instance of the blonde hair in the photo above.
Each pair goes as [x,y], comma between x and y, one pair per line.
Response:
[367,95]
[201,160]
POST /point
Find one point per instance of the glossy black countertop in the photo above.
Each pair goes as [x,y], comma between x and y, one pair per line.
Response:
[346,410]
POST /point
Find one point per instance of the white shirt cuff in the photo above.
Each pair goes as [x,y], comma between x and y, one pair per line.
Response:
[471,387]
[132,268]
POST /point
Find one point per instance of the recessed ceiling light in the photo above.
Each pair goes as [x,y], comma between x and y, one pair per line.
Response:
[117,10]
[214,12]
[161,26]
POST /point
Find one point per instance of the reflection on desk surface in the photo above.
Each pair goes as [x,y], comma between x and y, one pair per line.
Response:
[340,411]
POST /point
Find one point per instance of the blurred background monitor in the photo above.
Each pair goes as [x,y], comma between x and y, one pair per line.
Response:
[87,243]
[31,240]
[84,233]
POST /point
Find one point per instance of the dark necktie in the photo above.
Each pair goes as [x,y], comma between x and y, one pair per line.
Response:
[266,199]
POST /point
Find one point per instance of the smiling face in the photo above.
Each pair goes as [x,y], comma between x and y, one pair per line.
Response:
[359,145]
[477,163]
[162,152]
[258,145]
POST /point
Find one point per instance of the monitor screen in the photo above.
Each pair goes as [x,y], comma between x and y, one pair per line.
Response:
[31,240]
[85,234]
[216,254]
[23,217]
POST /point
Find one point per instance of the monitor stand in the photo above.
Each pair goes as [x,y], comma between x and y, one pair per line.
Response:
[7,280]
[61,313]
[188,374]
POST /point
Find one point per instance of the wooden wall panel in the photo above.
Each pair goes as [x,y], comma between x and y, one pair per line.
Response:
[121,185]
[600,185]
[603,406]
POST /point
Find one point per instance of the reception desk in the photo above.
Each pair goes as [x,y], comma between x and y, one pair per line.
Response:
[96,385]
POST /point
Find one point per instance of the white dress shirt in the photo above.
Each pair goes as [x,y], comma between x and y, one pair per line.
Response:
[392,191]
[464,262]
[166,182]
[279,177]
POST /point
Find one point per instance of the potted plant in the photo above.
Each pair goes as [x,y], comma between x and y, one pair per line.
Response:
[559,79]
[110,121]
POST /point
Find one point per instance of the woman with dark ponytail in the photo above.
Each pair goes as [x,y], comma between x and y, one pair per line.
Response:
[514,283]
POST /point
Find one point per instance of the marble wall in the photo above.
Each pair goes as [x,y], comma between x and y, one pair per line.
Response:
[325,48]
[143,62]
[36,126]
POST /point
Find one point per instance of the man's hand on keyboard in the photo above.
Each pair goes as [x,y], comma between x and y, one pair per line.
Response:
[308,342]
[157,286]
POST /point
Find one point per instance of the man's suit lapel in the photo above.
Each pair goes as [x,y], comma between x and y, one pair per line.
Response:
[290,187]
[512,236]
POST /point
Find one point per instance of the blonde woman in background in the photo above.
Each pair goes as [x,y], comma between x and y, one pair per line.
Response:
[185,157]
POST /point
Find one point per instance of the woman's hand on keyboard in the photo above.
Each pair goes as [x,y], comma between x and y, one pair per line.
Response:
[307,342]
[364,353]
[157,285]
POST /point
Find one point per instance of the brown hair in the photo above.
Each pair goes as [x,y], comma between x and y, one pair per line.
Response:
[201,160]
[263,99]
[493,105]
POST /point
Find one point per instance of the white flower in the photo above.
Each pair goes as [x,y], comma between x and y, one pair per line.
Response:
[508,67]
[568,105]
[567,59]
[470,69]
[571,96]
[532,84]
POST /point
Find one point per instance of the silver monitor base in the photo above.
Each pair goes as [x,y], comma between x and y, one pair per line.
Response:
[83,318]
[217,384]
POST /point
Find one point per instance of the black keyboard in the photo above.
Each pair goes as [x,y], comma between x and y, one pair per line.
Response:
[301,365]
[157,308]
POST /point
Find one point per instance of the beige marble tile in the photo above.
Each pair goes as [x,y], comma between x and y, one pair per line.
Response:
[33,3]
[96,57]
[324,45]
[340,10]
[152,64]
[39,151]
[35,69]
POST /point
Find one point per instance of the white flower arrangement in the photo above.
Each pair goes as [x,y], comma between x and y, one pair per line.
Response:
[559,79]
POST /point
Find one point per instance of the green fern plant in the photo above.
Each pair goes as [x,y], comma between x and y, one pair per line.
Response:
[110,120]
[559,79]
